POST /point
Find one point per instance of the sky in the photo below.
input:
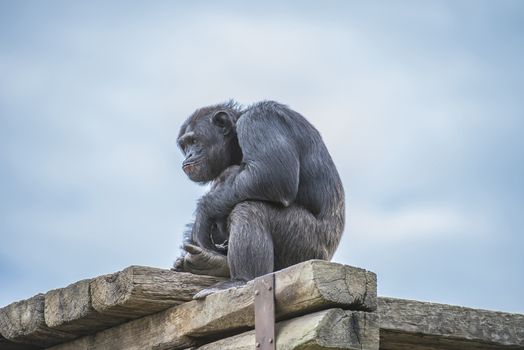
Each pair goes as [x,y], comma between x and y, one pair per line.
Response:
[421,104]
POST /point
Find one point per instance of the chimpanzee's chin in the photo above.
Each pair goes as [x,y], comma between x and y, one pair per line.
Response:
[199,178]
[193,177]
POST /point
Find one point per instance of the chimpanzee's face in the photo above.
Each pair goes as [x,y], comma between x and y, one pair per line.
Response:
[206,144]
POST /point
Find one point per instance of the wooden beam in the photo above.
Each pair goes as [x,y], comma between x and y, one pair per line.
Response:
[88,306]
[304,288]
[23,322]
[329,329]
[407,324]
[69,309]
[138,290]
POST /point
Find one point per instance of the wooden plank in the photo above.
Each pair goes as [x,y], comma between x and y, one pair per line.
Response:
[69,309]
[9,345]
[304,288]
[415,325]
[329,329]
[23,322]
[138,290]
[88,306]
[140,334]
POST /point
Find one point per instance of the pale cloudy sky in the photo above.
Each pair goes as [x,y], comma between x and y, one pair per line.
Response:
[421,104]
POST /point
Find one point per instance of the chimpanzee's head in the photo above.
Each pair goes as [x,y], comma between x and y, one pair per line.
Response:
[209,141]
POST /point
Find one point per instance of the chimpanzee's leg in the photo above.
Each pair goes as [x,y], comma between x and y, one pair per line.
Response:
[250,252]
[299,236]
[264,238]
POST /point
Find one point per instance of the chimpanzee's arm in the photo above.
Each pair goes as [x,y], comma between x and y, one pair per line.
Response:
[270,159]
[270,165]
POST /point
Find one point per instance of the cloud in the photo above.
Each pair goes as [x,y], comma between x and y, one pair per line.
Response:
[414,223]
[418,104]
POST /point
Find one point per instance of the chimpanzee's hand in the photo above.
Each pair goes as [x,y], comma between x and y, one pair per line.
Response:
[202,262]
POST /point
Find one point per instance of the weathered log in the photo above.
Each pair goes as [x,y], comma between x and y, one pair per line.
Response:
[304,288]
[69,309]
[88,306]
[406,324]
[329,329]
[9,345]
[138,290]
[23,322]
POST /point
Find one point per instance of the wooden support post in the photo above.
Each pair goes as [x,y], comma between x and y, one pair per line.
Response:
[265,312]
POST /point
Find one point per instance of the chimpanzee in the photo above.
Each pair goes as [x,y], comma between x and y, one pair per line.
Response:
[276,197]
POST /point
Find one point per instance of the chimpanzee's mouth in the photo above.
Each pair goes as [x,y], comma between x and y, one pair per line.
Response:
[189,167]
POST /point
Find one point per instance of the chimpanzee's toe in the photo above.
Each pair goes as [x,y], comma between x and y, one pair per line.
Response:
[220,286]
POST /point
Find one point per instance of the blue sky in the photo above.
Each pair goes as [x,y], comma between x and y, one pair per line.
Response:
[420,103]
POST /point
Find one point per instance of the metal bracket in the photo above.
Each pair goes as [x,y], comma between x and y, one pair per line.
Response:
[265,312]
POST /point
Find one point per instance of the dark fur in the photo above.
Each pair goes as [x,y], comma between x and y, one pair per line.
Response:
[276,195]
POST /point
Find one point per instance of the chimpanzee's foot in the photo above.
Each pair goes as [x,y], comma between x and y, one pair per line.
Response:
[218,287]
[202,262]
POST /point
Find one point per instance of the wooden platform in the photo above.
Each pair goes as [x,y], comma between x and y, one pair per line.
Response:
[319,305]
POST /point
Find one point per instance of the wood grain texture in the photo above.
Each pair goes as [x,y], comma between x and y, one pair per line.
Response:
[70,309]
[301,289]
[138,290]
[88,306]
[406,324]
[329,329]
[23,322]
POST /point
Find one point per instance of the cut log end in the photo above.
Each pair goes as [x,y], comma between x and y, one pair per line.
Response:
[137,291]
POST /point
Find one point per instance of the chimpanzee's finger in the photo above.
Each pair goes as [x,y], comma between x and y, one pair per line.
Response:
[192,249]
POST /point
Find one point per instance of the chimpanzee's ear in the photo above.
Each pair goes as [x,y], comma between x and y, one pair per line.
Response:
[223,120]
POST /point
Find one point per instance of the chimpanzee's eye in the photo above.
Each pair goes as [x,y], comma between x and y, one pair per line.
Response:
[187,141]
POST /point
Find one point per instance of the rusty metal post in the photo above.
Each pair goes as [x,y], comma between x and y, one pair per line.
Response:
[265,313]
